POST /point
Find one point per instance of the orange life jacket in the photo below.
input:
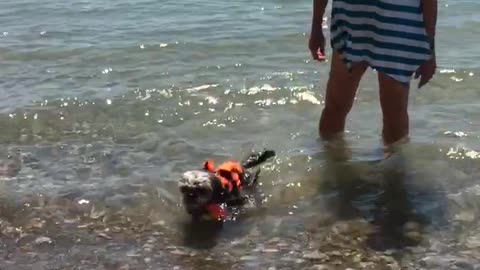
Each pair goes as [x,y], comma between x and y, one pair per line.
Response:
[229,173]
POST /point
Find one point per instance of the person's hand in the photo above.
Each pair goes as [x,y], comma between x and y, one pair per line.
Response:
[316,43]
[426,71]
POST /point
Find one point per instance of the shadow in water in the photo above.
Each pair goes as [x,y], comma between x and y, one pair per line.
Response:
[380,192]
[206,234]
[201,234]
[398,225]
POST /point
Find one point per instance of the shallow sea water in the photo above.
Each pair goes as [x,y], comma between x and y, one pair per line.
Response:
[106,104]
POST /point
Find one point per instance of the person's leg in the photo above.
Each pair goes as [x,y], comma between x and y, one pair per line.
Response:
[394,103]
[341,89]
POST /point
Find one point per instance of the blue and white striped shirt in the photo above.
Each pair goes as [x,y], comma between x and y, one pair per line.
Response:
[388,34]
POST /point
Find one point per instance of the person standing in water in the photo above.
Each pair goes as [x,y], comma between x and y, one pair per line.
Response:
[395,38]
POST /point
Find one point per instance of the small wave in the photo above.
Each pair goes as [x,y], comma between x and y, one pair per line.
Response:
[462,153]
[308,96]
[201,87]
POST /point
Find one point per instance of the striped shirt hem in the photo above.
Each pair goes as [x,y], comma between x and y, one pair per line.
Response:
[389,35]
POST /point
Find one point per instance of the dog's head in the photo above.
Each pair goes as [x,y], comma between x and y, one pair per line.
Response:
[197,190]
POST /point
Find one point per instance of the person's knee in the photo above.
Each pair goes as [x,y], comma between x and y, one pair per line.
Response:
[337,109]
[393,99]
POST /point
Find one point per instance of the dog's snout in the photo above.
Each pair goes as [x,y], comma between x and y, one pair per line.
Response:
[184,189]
[188,190]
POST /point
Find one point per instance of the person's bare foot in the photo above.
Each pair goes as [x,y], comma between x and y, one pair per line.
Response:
[337,148]
[392,148]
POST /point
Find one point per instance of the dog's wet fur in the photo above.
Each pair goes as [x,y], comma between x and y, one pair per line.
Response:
[199,188]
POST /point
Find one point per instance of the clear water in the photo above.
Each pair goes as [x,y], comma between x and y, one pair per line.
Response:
[108,102]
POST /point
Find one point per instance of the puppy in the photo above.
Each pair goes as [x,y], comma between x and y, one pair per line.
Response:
[207,192]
